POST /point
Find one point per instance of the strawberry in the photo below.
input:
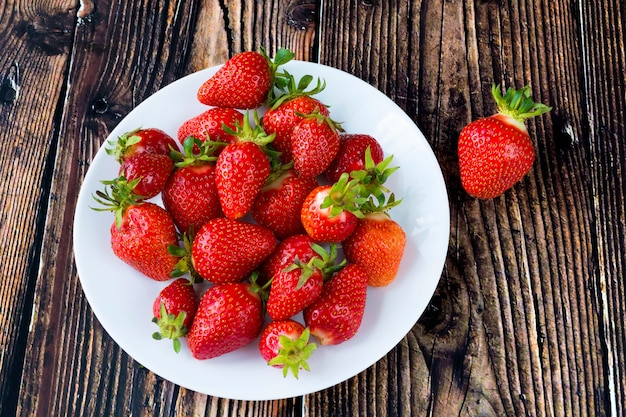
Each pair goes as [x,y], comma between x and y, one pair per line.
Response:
[278,205]
[245,81]
[330,212]
[300,283]
[294,247]
[285,344]
[229,317]
[142,231]
[226,250]
[288,109]
[150,140]
[377,245]
[496,152]
[283,119]
[152,170]
[338,312]
[210,125]
[314,144]
[174,309]
[242,169]
[190,194]
[351,154]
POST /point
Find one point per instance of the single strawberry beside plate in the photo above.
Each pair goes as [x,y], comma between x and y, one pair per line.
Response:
[496,152]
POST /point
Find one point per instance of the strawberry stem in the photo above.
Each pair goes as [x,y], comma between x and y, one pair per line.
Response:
[293,354]
[170,326]
[246,133]
[122,144]
[118,197]
[196,152]
[517,103]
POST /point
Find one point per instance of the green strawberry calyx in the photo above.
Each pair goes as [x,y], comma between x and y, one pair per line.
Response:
[290,89]
[373,176]
[118,196]
[196,152]
[344,195]
[517,104]
[247,133]
[293,354]
[283,55]
[321,118]
[170,326]
[120,147]
[185,263]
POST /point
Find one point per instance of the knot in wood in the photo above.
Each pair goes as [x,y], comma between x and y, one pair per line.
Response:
[51,34]
[10,87]
[301,14]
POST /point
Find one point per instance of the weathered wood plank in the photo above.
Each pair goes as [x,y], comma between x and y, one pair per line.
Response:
[514,327]
[121,54]
[527,317]
[33,57]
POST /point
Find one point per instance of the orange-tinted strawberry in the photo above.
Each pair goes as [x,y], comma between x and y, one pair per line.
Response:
[377,245]
[351,154]
[345,292]
[279,203]
[496,152]
[210,125]
[245,81]
[285,344]
[229,317]
[226,250]
[174,309]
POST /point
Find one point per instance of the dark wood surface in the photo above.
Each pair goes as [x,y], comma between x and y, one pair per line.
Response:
[528,318]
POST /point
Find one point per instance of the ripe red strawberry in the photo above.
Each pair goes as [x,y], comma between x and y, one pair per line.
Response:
[285,344]
[210,125]
[141,232]
[242,169]
[300,283]
[289,108]
[150,140]
[330,213]
[294,247]
[174,309]
[377,245]
[284,118]
[245,81]
[278,205]
[496,152]
[314,144]
[345,292]
[190,194]
[351,154]
[229,317]
[151,169]
[226,250]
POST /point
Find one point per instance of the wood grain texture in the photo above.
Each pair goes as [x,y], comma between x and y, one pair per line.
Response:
[528,317]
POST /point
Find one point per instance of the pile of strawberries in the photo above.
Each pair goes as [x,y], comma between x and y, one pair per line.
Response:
[284,215]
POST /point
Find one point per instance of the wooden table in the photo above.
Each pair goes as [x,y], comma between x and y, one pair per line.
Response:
[528,318]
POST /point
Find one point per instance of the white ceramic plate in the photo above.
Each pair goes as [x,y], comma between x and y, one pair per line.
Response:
[121,298]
